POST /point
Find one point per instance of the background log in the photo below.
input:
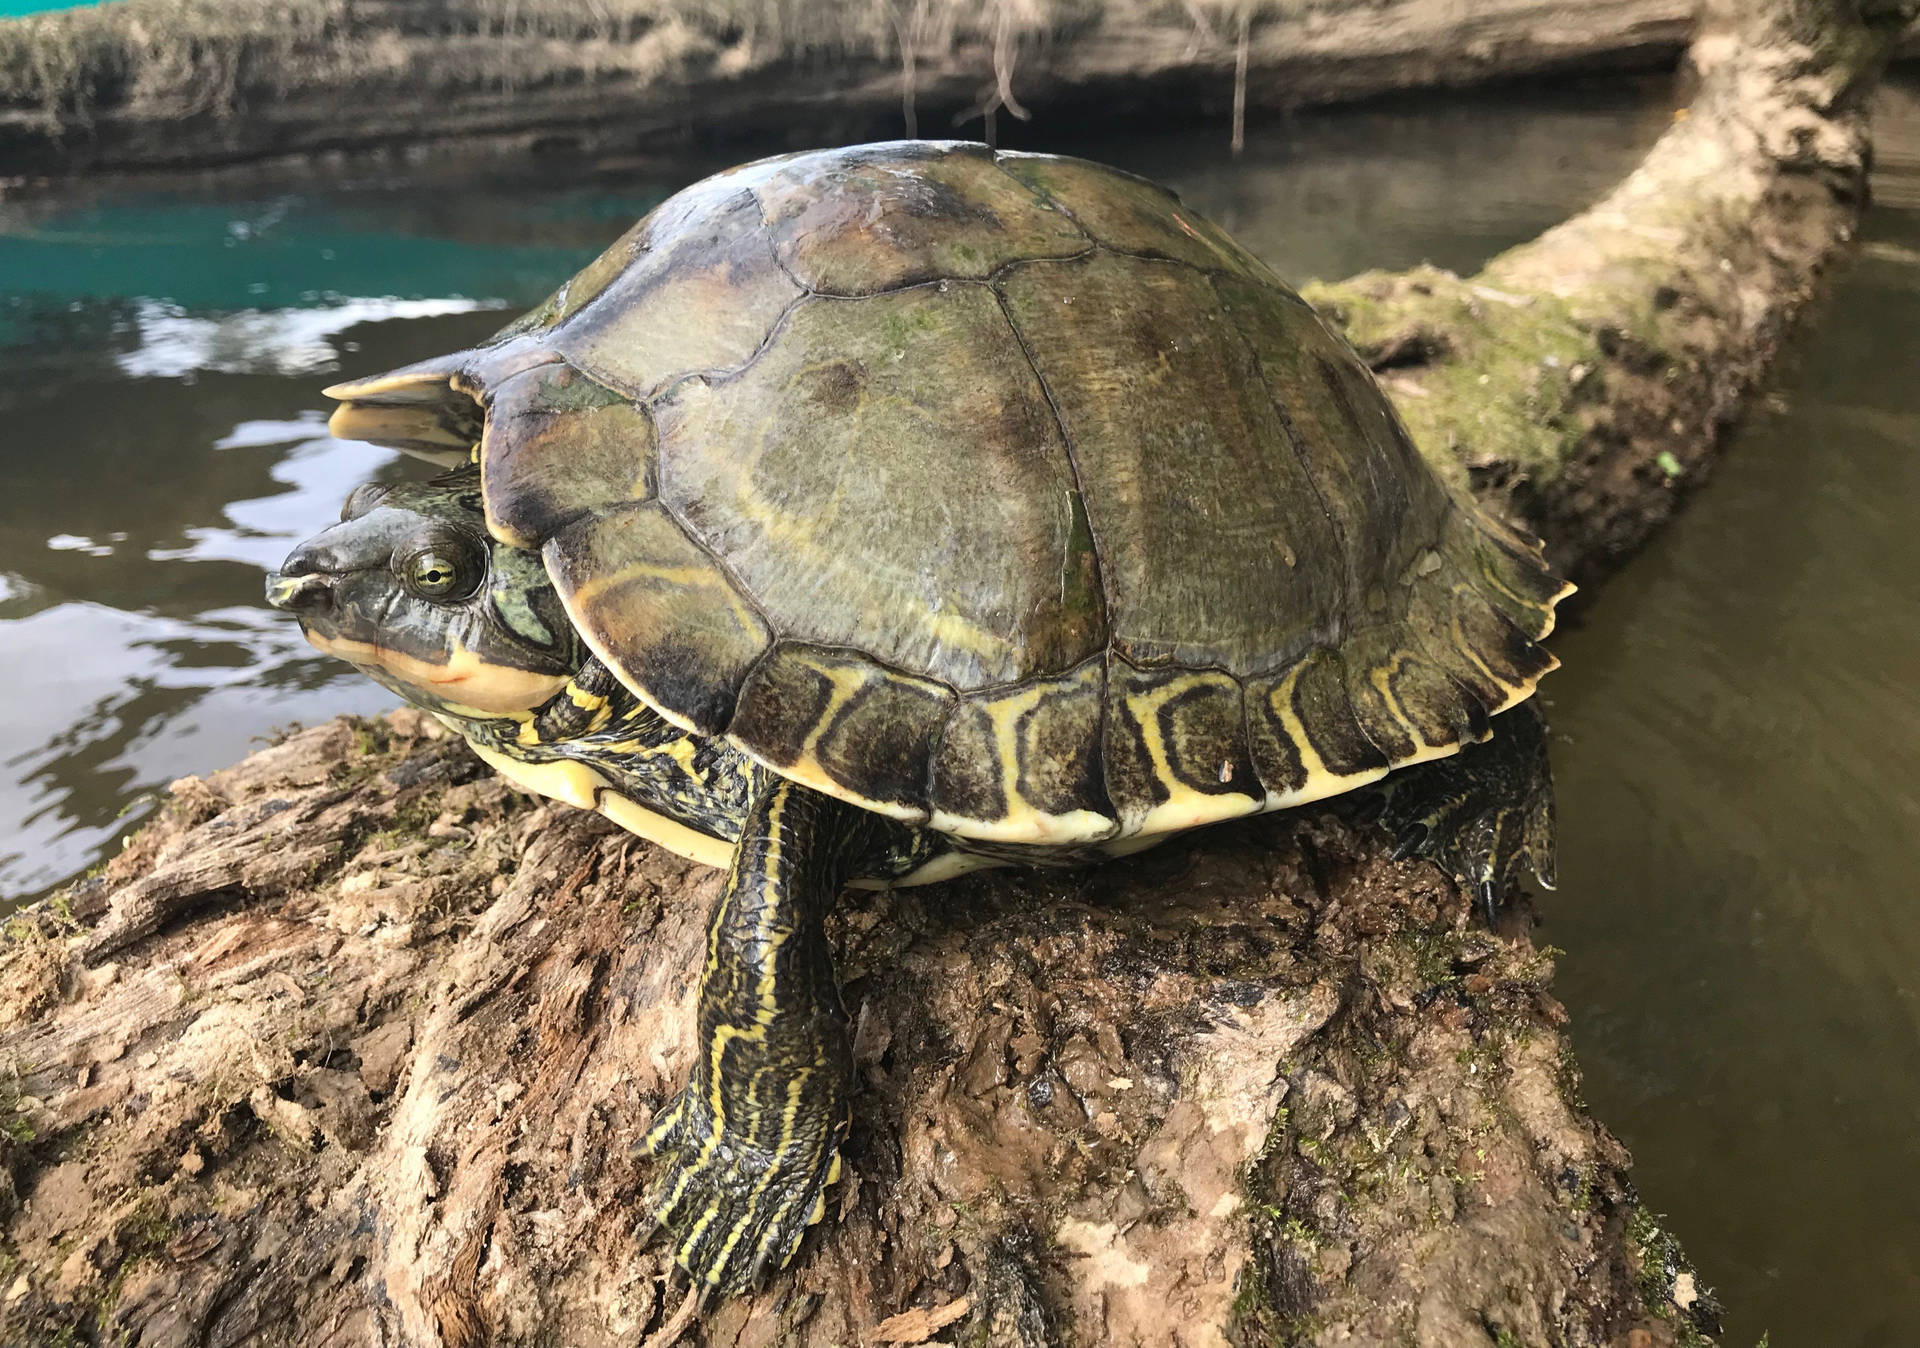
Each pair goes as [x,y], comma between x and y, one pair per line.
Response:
[353,1043]
[145,83]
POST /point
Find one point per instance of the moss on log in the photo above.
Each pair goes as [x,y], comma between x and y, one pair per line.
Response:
[353,1043]
[1589,377]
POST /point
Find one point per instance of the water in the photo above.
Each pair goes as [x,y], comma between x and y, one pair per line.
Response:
[1737,713]
[1742,810]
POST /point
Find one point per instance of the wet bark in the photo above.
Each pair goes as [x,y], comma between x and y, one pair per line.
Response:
[353,1043]
[164,83]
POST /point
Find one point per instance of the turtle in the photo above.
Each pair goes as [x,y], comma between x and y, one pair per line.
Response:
[871,515]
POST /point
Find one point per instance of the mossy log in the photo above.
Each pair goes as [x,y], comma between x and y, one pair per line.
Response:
[1588,378]
[352,1045]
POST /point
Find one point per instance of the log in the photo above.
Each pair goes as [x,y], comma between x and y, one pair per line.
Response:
[150,83]
[353,1044]
[1588,378]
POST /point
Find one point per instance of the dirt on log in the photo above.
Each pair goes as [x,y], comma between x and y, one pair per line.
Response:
[353,1043]
[145,83]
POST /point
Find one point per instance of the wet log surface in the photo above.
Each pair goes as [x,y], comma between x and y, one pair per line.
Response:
[353,1044]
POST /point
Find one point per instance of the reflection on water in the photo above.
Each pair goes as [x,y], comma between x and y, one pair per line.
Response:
[1738,800]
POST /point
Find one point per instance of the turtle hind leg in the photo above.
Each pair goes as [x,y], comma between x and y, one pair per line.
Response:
[1484,813]
[747,1150]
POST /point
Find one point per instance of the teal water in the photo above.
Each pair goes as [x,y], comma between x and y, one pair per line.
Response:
[15,9]
[1737,718]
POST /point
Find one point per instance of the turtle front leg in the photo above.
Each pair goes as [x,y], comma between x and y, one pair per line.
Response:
[749,1147]
[1483,812]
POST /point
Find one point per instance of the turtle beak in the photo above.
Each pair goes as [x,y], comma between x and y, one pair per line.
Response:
[299,593]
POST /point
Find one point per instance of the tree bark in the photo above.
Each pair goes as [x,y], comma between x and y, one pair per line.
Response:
[353,1044]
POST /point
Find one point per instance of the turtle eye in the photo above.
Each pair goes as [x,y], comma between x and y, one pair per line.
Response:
[435,573]
[361,499]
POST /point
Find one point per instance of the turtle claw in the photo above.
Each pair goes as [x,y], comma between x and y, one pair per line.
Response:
[1410,841]
[734,1210]
[1484,814]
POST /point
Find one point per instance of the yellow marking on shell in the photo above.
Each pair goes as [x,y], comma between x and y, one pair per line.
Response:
[1516,693]
[688,577]
[1321,781]
[574,783]
[415,386]
[806,768]
[477,684]
[1022,822]
[415,429]
[1567,587]
[1184,807]
[943,867]
[1425,751]
[581,786]
[1544,608]
[671,834]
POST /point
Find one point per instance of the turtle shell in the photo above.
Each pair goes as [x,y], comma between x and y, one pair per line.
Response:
[998,492]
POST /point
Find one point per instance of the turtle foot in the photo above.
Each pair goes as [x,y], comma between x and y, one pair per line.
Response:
[1482,814]
[736,1210]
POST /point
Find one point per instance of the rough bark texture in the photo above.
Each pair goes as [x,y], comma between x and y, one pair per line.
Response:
[172,82]
[352,1044]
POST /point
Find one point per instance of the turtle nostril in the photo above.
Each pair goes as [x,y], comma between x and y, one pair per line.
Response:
[297,591]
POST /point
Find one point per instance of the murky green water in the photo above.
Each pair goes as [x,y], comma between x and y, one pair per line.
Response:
[1739,714]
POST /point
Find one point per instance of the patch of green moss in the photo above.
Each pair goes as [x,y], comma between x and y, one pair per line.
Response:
[1661,1264]
[1500,376]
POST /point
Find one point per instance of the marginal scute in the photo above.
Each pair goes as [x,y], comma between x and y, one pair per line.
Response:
[1131,214]
[1213,543]
[888,477]
[843,724]
[1176,749]
[558,446]
[1404,703]
[1317,686]
[1451,619]
[702,295]
[1023,763]
[1307,744]
[1514,579]
[659,610]
[583,286]
[413,409]
[878,217]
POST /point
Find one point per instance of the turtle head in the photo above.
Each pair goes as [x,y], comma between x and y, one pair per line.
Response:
[411,588]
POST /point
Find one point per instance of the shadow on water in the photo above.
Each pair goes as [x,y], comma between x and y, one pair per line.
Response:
[1739,714]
